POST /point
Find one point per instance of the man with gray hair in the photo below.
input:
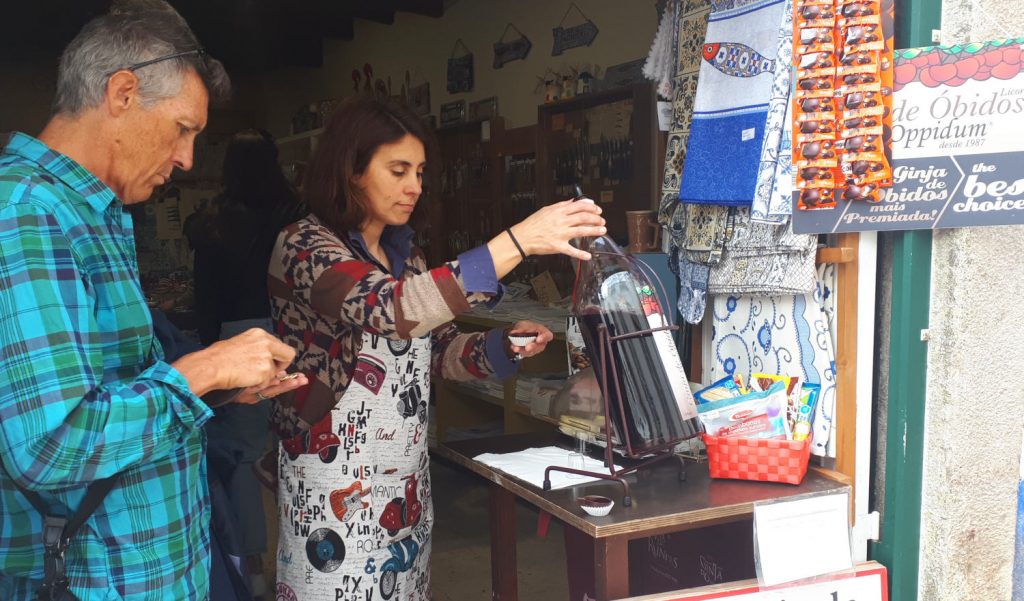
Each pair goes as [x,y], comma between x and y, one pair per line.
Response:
[85,393]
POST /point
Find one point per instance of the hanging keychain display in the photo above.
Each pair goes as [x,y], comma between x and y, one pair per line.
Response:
[575,36]
[460,70]
[513,50]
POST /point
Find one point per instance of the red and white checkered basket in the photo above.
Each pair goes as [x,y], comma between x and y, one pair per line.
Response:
[758,459]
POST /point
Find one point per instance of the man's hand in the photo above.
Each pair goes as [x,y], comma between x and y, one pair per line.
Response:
[253,358]
[279,384]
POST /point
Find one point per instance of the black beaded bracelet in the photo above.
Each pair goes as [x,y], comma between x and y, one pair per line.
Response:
[508,231]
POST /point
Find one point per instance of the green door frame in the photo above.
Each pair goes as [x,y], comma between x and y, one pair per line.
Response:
[899,548]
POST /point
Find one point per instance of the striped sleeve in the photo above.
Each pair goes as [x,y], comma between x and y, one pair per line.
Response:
[333,281]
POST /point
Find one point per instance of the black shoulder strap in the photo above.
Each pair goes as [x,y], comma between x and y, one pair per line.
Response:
[98,491]
[58,531]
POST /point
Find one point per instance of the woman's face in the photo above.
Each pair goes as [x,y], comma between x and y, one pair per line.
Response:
[392,182]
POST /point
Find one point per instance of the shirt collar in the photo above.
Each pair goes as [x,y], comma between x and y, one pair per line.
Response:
[78,178]
[396,240]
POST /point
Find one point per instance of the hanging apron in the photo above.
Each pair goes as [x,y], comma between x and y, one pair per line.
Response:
[355,508]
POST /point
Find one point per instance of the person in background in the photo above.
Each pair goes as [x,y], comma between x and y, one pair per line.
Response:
[234,234]
[85,391]
[371,324]
[233,237]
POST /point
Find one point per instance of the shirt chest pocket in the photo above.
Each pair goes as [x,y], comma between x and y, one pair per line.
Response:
[123,324]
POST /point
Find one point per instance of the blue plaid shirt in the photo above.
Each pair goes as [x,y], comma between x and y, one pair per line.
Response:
[85,394]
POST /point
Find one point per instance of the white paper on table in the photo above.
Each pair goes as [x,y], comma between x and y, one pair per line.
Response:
[803,538]
[529,465]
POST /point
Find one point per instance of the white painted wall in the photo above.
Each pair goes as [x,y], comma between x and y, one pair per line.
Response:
[422,46]
[975,397]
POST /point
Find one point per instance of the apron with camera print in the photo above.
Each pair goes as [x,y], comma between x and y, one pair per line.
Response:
[355,508]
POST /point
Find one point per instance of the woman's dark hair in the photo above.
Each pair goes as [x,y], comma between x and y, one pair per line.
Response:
[354,132]
[252,176]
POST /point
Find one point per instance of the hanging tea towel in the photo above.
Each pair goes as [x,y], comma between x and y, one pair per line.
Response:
[776,121]
[731,107]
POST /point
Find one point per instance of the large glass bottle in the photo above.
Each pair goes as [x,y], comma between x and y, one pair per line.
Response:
[614,294]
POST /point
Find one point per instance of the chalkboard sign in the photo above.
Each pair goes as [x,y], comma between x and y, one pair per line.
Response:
[460,70]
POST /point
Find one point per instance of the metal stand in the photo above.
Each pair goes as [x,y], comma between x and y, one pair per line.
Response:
[647,456]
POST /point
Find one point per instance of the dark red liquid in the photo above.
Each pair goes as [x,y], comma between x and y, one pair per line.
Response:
[648,413]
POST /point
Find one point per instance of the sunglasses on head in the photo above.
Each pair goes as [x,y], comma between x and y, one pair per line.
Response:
[199,52]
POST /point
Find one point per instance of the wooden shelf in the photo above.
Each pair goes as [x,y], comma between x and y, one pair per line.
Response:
[459,406]
[522,410]
[306,135]
[486,322]
[474,393]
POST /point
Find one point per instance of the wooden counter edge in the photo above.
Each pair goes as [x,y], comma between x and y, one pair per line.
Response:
[648,527]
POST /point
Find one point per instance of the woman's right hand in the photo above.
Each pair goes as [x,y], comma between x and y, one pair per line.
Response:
[549,230]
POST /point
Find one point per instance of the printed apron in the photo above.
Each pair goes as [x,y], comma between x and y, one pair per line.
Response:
[355,508]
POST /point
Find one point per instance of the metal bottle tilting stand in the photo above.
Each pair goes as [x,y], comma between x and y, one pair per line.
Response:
[646,455]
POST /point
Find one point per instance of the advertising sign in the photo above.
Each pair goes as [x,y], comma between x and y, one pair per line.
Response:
[957,144]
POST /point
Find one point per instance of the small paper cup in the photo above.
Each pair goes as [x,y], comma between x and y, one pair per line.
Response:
[596,505]
[520,340]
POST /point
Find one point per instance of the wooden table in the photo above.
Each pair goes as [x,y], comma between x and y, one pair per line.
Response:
[661,505]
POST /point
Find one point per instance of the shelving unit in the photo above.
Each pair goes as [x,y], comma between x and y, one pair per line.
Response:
[465,211]
[458,406]
[294,152]
[586,140]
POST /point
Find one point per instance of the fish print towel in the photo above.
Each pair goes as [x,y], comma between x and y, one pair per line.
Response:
[731,106]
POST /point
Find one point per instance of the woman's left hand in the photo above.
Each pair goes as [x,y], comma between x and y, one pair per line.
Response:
[271,388]
[544,336]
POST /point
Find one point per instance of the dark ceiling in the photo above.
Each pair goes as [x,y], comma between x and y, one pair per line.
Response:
[247,35]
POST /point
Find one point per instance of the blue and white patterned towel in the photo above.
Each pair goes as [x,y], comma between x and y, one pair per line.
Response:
[731,105]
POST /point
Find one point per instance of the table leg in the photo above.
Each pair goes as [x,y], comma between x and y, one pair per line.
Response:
[504,586]
[611,564]
[598,568]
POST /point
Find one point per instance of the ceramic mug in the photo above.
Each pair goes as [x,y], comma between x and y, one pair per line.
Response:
[643,230]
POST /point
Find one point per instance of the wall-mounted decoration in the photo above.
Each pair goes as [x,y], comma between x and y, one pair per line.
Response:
[482,110]
[453,112]
[623,74]
[419,98]
[575,36]
[460,69]
[512,50]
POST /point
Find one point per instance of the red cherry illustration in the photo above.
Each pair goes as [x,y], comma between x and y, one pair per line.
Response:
[993,57]
[967,67]
[904,74]
[927,79]
[920,61]
[935,58]
[1005,71]
[1011,55]
[943,73]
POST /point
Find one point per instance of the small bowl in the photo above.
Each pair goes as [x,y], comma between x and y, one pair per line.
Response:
[596,505]
[521,339]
